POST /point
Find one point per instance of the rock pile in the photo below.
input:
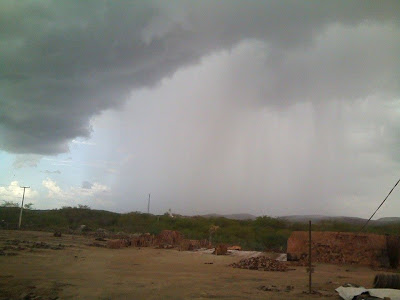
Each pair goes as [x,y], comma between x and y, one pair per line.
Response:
[262,263]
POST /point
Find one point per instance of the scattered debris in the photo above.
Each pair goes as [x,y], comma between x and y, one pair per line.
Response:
[271,288]
[237,248]
[32,296]
[191,245]
[262,263]
[117,244]
[97,245]
[31,245]
[282,257]
[2,253]
[81,229]
[351,292]
[289,288]
[165,246]
[101,233]
[318,293]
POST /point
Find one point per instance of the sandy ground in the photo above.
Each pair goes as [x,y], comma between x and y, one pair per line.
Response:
[79,271]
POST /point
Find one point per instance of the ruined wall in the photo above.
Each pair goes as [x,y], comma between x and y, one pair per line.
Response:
[169,238]
[339,248]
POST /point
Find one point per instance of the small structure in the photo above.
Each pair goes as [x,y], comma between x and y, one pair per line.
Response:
[143,240]
[221,250]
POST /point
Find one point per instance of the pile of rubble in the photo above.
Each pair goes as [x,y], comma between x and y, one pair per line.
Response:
[22,245]
[167,239]
[261,263]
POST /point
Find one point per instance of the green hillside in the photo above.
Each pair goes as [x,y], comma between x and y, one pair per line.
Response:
[259,234]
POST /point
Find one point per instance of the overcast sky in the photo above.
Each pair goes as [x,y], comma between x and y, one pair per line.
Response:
[262,107]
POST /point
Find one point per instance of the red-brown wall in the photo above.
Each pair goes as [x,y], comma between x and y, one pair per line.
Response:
[339,248]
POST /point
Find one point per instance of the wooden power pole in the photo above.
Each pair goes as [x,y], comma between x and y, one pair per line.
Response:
[22,205]
[148,205]
[310,269]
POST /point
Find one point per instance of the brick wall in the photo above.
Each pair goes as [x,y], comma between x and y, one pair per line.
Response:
[339,248]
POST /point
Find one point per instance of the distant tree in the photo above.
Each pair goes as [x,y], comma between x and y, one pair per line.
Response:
[81,206]
[9,204]
[28,206]
[212,230]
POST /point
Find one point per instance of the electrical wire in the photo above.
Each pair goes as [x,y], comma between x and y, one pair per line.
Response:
[366,223]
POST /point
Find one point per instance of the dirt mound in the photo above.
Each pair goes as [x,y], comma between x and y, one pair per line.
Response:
[262,263]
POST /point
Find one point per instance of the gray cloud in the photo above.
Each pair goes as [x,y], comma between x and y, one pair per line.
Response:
[87,185]
[51,172]
[26,160]
[64,62]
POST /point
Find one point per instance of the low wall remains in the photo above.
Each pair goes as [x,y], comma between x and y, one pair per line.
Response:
[339,248]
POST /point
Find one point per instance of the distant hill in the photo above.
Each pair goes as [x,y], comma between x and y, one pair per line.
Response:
[340,219]
[321,218]
[388,220]
[232,216]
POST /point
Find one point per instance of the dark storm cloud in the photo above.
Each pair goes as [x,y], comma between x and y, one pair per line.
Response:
[63,62]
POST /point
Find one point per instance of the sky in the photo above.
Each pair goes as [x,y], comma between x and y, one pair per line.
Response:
[262,107]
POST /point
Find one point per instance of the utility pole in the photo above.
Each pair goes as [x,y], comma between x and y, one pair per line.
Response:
[310,269]
[22,205]
[148,205]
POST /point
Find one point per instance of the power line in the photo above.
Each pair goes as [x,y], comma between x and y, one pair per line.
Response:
[366,223]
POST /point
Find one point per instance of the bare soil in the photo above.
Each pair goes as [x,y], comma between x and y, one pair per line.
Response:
[48,267]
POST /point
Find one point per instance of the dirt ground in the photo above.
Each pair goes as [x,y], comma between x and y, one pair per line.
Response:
[47,267]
